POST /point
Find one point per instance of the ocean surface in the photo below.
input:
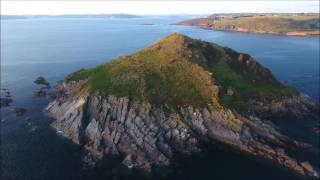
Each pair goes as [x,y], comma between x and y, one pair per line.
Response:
[54,47]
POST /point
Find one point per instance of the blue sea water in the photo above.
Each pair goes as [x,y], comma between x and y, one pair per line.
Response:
[54,47]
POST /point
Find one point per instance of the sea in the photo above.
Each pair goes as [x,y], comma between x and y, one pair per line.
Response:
[54,47]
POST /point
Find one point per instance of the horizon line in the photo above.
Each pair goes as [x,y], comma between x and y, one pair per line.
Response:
[180,14]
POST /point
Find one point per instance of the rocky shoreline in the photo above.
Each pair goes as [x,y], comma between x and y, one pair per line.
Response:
[148,135]
[296,107]
[241,30]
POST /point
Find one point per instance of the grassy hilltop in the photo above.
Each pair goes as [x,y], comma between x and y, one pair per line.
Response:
[178,70]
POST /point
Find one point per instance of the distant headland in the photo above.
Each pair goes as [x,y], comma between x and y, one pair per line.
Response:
[297,24]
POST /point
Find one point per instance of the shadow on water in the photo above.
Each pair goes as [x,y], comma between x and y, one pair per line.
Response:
[216,161]
[303,130]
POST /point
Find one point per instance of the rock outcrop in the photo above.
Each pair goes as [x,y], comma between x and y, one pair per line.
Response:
[148,135]
[42,81]
[297,107]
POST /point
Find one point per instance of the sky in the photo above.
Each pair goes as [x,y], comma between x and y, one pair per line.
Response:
[9,7]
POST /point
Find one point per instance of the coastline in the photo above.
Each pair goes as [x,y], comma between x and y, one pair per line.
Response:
[297,34]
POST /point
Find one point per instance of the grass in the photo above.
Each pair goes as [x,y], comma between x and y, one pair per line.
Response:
[78,75]
[178,71]
[160,74]
[246,86]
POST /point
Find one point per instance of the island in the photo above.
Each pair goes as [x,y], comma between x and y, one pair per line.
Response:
[278,24]
[172,97]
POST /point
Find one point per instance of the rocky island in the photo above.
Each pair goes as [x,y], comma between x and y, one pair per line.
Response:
[278,24]
[174,94]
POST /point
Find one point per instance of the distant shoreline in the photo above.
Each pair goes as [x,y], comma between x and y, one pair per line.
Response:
[272,24]
[297,34]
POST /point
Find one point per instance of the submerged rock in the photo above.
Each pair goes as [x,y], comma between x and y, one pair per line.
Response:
[19,111]
[316,130]
[40,93]
[5,98]
[27,119]
[4,102]
[33,129]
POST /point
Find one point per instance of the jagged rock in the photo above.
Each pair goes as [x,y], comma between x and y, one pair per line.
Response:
[19,111]
[148,136]
[298,107]
[307,166]
[130,161]
[42,81]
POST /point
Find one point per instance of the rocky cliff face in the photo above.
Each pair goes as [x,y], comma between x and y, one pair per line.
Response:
[149,135]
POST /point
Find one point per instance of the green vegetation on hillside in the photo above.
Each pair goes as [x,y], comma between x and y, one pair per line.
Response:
[276,24]
[290,24]
[160,74]
[246,87]
[178,70]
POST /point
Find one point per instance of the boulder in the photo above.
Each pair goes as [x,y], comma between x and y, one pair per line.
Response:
[230,92]
[42,81]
